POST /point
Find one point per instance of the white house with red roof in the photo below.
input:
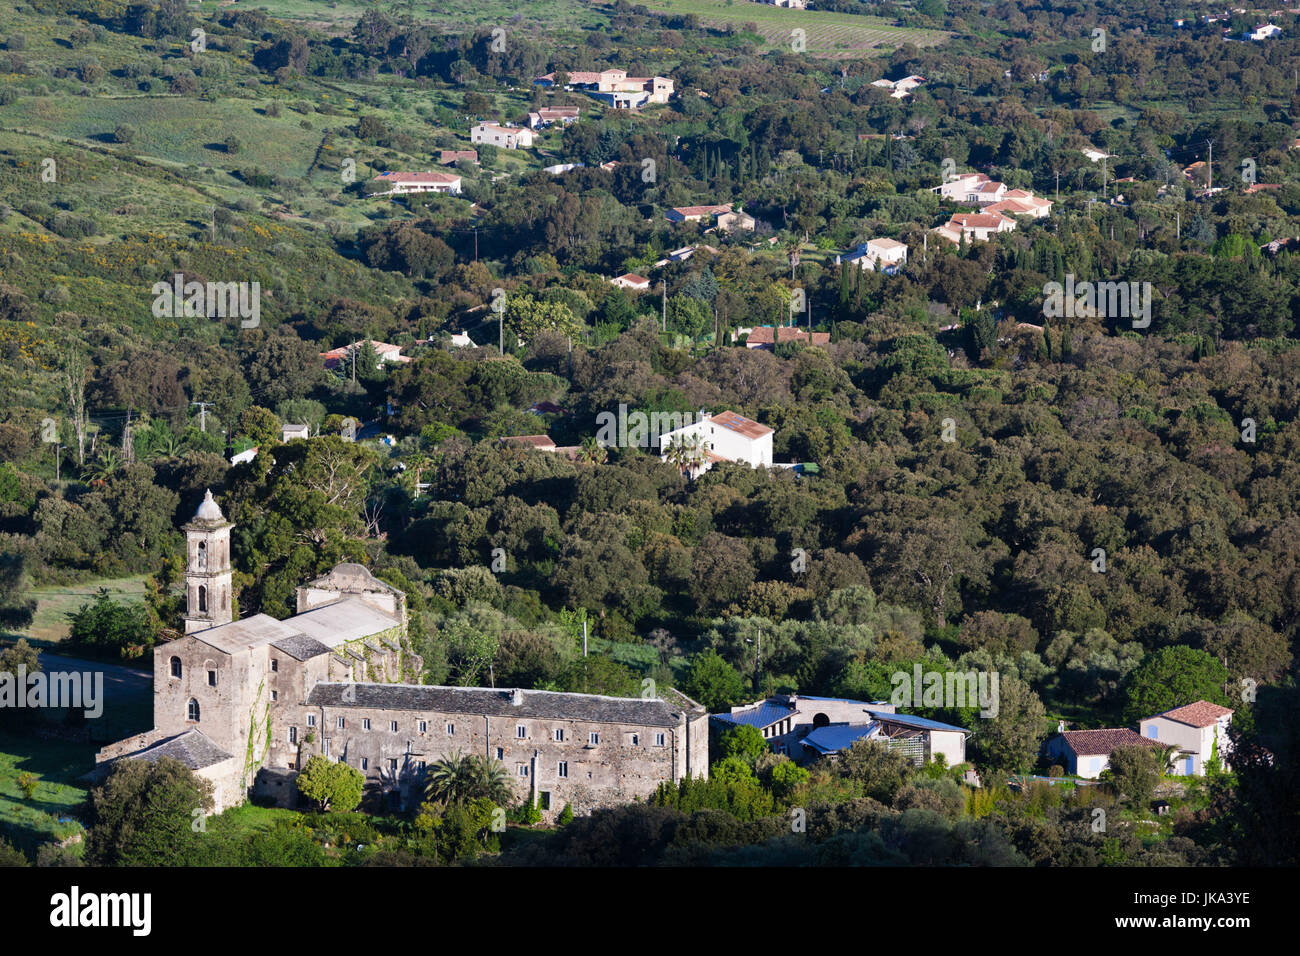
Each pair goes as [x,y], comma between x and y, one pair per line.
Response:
[615,87]
[696,213]
[975,226]
[725,436]
[1199,731]
[549,115]
[386,352]
[630,280]
[506,137]
[426,182]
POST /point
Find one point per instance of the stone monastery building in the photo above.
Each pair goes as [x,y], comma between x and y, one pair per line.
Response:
[246,703]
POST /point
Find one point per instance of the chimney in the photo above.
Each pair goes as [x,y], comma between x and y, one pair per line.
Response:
[1060,726]
[516,698]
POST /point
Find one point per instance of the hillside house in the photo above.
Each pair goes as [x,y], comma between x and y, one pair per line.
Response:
[726,436]
[505,137]
[615,88]
[884,254]
[975,226]
[448,156]
[768,337]
[696,213]
[1199,731]
[809,728]
[427,182]
[550,115]
[630,280]
[1086,753]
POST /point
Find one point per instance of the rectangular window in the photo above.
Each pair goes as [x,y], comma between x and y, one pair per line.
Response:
[212,678]
[544,800]
[275,665]
[293,735]
[559,734]
[451,730]
[325,746]
[392,726]
[365,763]
[594,738]
[342,722]
[420,765]
[275,695]
[365,723]
[521,731]
[311,720]
[659,740]
[424,726]
[636,740]
[501,754]
[392,764]
[523,769]
[563,769]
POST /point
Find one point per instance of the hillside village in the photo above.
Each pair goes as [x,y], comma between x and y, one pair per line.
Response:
[696,434]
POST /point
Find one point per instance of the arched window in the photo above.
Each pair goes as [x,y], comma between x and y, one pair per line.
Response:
[192,712]
[203,556]
[203,598]
[820,720]
[176,667]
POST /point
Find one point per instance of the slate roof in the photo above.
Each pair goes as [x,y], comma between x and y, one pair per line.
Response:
[496,702]
[918,723]
[301,647]
[191,748]
[1200,714]
[837,737]
[764,715]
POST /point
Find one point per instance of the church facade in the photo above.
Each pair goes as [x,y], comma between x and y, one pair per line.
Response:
[246,703]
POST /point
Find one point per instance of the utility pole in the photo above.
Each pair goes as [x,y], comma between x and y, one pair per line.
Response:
[501,332]
[354,365]
[1058,185]
[1210,167]
[58,460]
[213,232]
[664,327]
[584,637]
[203,414]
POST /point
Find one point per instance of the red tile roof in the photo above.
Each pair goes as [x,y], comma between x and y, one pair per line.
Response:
[740,424]
[1099,743]
[536,441]
[767,335]
[445,179]
[1200,714]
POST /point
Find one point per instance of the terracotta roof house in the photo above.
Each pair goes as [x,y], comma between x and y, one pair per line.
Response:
[540,442]
[1199,730]
[977,226]
[725,436]
[386,352]
[1086,753]
[884,254]
[549,115]
[427,182]
[448,156]
[695,213]
[767,336]
[630,280]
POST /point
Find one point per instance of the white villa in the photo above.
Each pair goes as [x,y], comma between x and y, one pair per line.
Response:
[726,436]
[448,183]
[1197,731]
[885,254]
[507,137]
[615,87]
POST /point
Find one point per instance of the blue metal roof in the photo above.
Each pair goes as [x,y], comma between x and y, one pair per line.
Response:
[764,715]
[836,737]
[840,700]
[920,723]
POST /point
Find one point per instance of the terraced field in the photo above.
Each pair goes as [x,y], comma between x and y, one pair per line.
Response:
[827,35]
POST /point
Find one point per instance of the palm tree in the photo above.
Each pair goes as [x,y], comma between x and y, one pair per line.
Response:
[460,778]
[593,452]
[103,467]
[687,453]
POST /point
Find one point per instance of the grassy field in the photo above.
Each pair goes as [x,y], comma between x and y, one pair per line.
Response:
[829,35]
[54,603]
[29,823]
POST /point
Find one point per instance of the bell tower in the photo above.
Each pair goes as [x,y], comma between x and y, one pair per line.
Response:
[207,568]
